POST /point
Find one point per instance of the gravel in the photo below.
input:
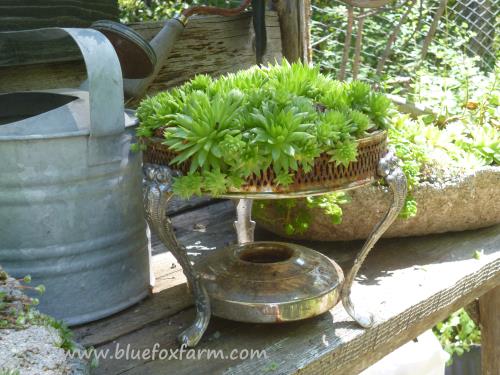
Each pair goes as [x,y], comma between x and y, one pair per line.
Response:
[33,349]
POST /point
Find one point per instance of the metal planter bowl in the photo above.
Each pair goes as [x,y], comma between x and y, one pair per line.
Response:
[325,175]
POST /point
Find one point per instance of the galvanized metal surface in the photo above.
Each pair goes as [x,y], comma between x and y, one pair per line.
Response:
[71,211]
[161,44]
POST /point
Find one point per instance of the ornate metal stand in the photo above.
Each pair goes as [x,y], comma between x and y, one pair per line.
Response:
[244,224]
[389,170]
[157,193]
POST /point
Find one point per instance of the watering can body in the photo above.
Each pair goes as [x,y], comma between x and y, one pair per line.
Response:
[71,209]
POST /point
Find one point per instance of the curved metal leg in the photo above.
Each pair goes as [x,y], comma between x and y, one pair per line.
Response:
[388,169]
[157,192]
[244,225]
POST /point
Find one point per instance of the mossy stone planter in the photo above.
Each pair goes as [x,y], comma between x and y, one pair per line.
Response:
[466,201]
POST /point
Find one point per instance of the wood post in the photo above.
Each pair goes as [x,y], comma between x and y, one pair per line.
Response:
[347,43]
[306,16]
[358,44]
[295,16]
[489,311]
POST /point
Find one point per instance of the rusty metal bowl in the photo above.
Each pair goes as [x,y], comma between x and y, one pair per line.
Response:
[325,175]
[270,282]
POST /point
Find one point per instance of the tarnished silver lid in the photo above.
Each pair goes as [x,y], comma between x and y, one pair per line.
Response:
[270,282]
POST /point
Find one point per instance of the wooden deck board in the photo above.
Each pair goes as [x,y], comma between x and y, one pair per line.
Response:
[170,292]
[409,284]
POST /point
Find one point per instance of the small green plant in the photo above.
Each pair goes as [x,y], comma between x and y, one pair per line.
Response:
[140,10]
[428,153]
[453,35]
[9,372]
[297,221]
[17,310]
[457,333]
[279,116]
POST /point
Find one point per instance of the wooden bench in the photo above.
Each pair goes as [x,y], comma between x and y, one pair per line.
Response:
[409,284]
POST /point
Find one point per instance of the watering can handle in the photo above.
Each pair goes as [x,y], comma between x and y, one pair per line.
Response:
[105,88]
[105,83]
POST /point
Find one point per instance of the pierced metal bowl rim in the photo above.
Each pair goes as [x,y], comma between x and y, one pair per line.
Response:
[306,191]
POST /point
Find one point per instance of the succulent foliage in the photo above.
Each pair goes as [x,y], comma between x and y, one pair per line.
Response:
[281,116]
[431,149]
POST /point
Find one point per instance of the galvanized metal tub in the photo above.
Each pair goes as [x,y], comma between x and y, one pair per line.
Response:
[71,212]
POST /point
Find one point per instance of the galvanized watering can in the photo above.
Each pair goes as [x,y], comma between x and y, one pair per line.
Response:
[71,212]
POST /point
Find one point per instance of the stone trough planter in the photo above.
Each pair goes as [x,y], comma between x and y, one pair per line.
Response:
[462,202]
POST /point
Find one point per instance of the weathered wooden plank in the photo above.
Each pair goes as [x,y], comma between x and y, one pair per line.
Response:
[287,347]
[190,224]
[167,272]
[170,294]
[42,76]
[206,229]
[393,341]
[489,311]
[409,284]
[305,31]
[32,14]
[37,46]
[56,14]
[41,47]
[211,44]
[111,4]
[178,205]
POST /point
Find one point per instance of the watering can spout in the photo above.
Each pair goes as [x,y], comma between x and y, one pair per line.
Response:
[162,44]
[141,61]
